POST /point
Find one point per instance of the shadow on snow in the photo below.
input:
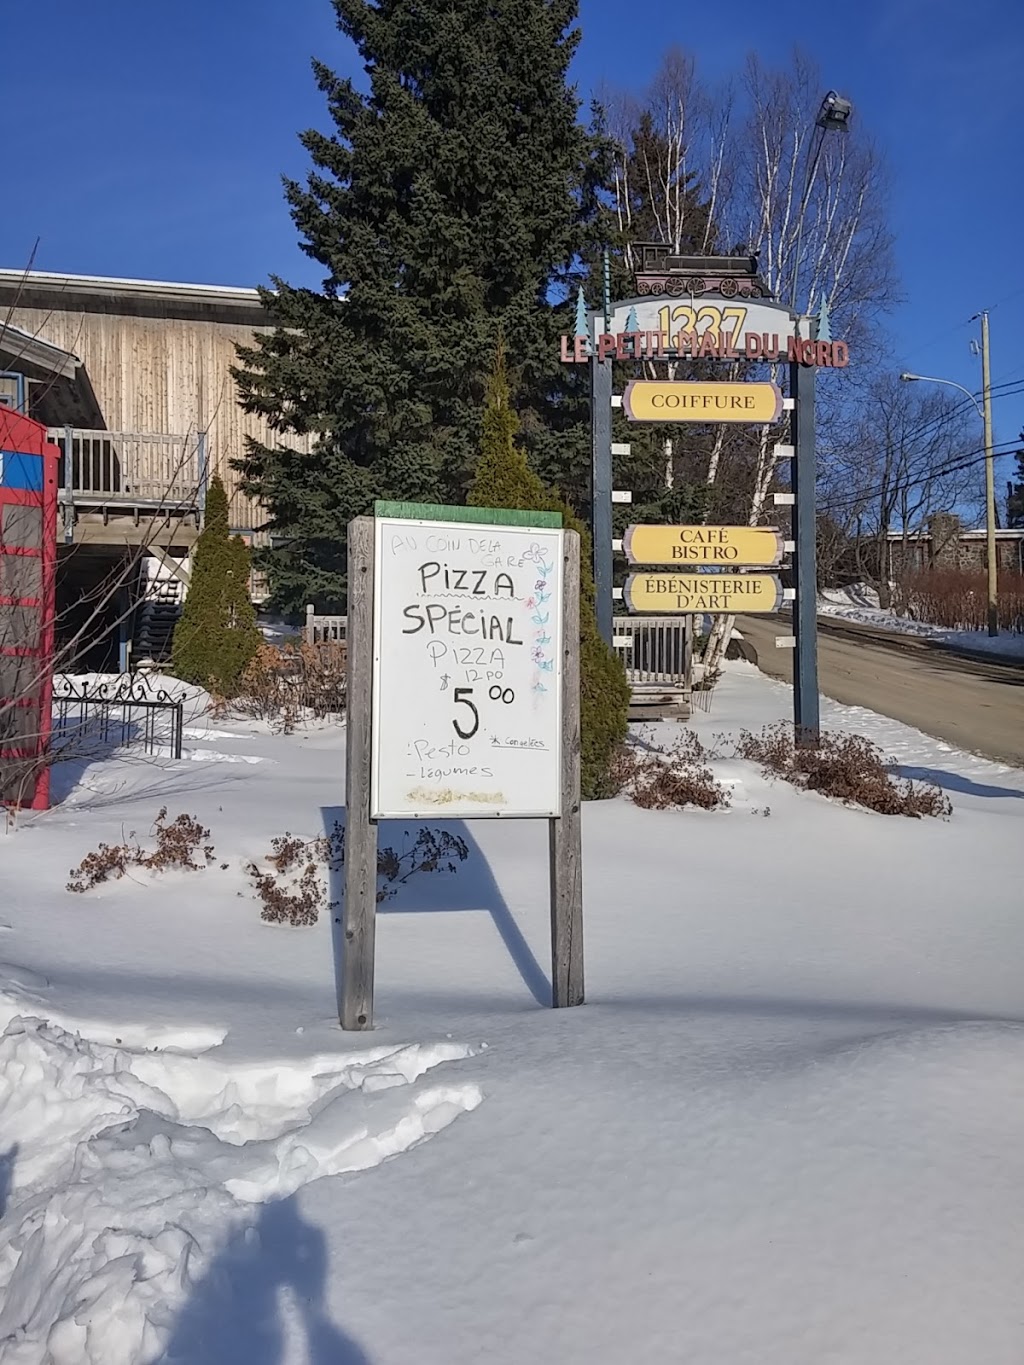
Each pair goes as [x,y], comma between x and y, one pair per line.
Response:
[472,888]
[263,1292]
[955,782]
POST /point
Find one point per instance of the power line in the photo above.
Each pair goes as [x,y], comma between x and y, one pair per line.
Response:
[959,326]
[969,460]
[957,408]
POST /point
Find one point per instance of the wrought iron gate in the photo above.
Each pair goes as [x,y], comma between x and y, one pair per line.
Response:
[93,716]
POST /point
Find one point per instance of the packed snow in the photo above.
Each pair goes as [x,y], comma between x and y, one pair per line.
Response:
[786,1128]
[859,603]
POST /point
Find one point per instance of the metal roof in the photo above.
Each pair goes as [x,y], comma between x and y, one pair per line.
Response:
[17,344]
[107,285]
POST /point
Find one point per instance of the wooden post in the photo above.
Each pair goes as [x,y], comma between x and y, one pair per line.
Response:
[310,628]
[354,974]
[564,831]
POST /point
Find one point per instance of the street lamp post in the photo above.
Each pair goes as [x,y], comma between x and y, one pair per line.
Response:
[985,413]
[834,115]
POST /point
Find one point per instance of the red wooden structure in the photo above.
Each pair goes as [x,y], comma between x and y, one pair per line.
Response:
[28,562]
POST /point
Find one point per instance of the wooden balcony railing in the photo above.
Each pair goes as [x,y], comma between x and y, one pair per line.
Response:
[124,469]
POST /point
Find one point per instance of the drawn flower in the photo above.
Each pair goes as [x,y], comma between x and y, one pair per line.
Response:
[540,585]
[531,602]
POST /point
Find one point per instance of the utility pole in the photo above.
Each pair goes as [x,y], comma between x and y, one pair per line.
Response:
[990,483]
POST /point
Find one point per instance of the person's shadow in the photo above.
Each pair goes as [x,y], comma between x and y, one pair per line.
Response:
[264,1289]
[7,1160]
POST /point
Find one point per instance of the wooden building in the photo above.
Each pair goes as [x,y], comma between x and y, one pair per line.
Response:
[139,359]
[132,379]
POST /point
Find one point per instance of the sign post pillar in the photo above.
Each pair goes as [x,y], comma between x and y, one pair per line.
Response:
[564,832]
[354,972]
[601,489]
[806,717]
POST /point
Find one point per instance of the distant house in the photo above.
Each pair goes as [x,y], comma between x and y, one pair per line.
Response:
[947,544]
[133,380]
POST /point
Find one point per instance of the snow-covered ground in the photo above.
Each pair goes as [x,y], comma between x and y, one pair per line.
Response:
[859,602]
[787,1127]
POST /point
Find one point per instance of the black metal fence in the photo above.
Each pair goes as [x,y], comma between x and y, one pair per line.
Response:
[92,716]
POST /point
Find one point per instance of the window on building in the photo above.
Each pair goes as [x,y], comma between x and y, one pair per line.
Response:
[12,391]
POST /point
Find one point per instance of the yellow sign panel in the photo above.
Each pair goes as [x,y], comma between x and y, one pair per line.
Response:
[683,400]
[732,546]
[665,593]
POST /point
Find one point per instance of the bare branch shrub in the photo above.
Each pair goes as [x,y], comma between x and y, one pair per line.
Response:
[669,778]
[958,599]
[848,768]
[294,890]
[282,682]
[177,845]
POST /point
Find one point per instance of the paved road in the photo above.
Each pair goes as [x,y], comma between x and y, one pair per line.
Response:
[975,703]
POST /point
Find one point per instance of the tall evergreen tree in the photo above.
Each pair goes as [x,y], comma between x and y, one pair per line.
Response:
[452,199]
[1015,492]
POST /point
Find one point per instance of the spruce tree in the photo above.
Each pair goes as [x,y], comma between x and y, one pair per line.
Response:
[503,478]
[217,634]
[452,199]
[1015,491]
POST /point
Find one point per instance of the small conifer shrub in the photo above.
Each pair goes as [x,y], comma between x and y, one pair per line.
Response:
[504,479]
[216,636]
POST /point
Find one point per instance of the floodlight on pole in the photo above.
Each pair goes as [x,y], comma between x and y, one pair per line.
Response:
[835,112]
[833,116]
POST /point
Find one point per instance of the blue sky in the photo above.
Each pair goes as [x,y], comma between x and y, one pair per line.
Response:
[148,139]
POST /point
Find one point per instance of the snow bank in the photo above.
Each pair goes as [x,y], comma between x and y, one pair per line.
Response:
[129,1170]
[859,603]
[787,1128]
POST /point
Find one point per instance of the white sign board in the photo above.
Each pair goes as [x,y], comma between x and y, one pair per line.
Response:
[467,650]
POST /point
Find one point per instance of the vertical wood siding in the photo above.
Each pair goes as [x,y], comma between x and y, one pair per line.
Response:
[163,375]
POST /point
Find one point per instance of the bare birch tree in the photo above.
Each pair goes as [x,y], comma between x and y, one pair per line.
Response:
[911,459]
[670,176]
[810,205]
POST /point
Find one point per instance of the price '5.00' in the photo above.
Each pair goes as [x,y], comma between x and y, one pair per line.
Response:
[463,697]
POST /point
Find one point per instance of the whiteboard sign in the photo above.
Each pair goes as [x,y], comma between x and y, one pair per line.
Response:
[467,649]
